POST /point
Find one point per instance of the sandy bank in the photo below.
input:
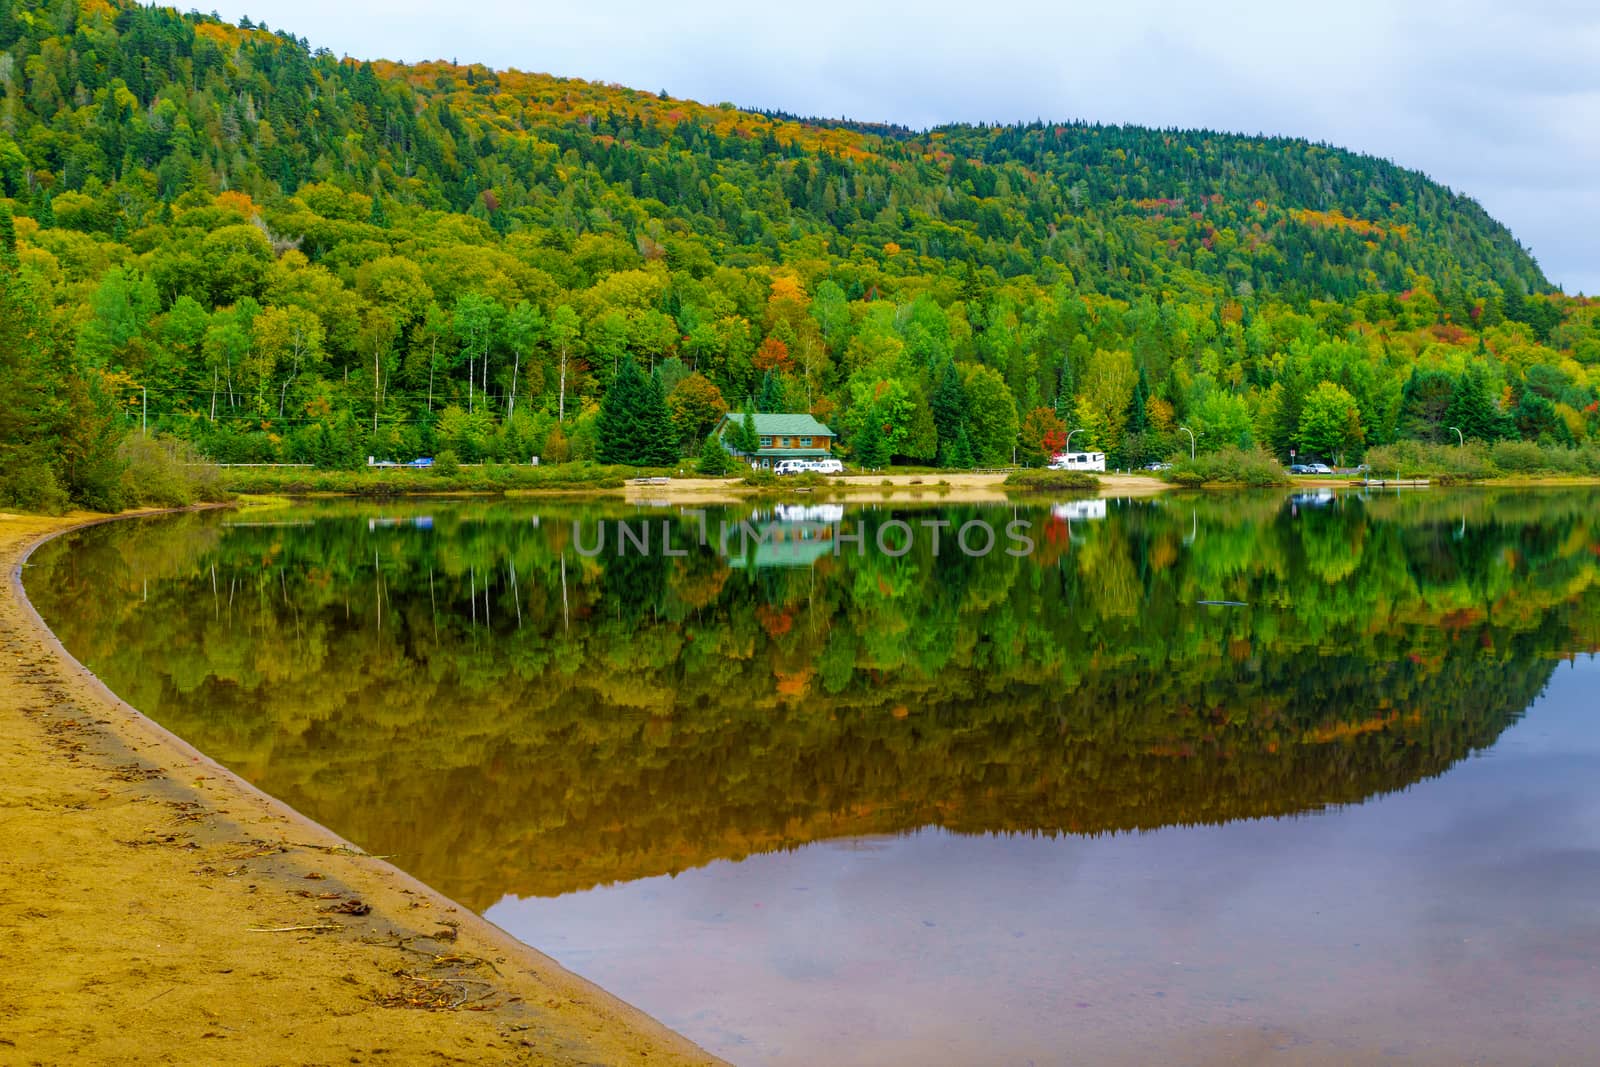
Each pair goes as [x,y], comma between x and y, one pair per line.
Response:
[944,487]
[154,908]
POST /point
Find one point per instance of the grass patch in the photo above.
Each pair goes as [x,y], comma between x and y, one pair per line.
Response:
[401,481]
[1048,481]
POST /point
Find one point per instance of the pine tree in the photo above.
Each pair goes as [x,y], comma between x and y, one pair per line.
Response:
[745,437]
[1066,389]
[1472,410]
[8,238]
[635,427]
[1138,406]
[949,404]
[771,396]
[961,451]
[44,212]
[872,451]
[658,445]
[714,459]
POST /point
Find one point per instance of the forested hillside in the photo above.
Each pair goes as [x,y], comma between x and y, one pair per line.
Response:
[218,233]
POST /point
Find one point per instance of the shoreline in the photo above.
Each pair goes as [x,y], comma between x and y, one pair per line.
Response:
[952,487]
[152,899]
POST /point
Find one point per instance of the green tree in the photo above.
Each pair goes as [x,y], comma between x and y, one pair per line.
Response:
[1330,423]
[871,449]
[1472,409]
[949,404]
[8,238]
[961,452]
[714,459]
[635,427]
[743,436]
[992,429]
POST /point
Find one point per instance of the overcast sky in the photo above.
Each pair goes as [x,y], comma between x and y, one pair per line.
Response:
[1498,100]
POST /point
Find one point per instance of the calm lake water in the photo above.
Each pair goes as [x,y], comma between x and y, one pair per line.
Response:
[1201,779]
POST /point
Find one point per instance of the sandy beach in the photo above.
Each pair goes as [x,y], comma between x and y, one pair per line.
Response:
[944,487]
[155,908]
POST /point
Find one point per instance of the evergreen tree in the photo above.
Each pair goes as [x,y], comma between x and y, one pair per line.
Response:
[872,451]
[8,238]
[950,409]
[745,438]
[771,396]
[1472,410]
[961,451]
[660,445]
[1138,406]
[44,212]
[1067,389]
[634,426]
[714,459]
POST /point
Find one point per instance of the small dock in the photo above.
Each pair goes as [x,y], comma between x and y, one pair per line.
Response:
[1397,483]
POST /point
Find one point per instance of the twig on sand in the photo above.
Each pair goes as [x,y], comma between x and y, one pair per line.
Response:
[321,928]
[336,850]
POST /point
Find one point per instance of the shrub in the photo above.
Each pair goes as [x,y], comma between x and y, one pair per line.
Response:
[165,472]
[1048,481]
[30,485]
[1446,464]
[1228,466]
[447,464]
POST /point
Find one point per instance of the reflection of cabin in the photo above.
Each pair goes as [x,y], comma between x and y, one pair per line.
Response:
[781,436]
[790,536]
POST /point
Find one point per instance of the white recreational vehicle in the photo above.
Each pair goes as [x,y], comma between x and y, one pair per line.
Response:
[1078,461]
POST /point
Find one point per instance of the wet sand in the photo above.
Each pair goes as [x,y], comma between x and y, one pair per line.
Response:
[156,908]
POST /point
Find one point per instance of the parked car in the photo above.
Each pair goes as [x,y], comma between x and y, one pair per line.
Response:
[1299,468]
[421,462]
[1158,466]
[791,466]
[1318,468]
[826,466]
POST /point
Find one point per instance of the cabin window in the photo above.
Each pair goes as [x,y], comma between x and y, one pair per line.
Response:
[766,442]
[805,442]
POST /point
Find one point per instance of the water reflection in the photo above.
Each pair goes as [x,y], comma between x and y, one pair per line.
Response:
[456,685]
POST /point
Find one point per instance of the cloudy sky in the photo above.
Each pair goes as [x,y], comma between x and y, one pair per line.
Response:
[1501,101]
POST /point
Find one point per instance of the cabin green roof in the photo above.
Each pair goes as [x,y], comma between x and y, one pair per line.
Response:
[781,425]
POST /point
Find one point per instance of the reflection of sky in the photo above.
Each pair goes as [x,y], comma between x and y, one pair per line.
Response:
[1456,920]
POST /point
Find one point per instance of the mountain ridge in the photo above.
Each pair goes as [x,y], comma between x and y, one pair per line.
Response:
[295,257]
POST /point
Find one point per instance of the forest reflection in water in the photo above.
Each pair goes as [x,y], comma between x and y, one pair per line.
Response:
[454,684]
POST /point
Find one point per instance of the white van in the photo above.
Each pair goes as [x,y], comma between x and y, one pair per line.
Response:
[826,466]
[1079,461]
[791,466]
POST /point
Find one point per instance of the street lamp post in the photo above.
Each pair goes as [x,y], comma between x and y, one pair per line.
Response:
[144,412]
[1460,440]
[1068,446]
[1190,432]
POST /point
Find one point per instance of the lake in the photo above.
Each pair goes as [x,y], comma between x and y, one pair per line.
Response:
[1203,778]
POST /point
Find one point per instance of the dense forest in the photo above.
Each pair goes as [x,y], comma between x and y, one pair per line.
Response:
[218,233]
[458,686]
